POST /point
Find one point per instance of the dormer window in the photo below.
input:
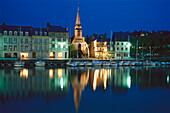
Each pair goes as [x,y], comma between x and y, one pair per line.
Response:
[36,33]
[26,33]
[45,33]
[10,32]
[40,33]
[21,33]
[5,32]
[15,33]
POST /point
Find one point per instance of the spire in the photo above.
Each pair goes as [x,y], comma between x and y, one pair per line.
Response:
[78,16]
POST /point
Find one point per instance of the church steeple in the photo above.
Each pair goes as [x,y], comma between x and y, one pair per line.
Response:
[78,17]
[78,28]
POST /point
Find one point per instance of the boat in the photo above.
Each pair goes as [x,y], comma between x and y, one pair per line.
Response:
[126,63]
[96,63]
[138,64]
[105,63]
[113,64]
[40,63]
[81,64]
[120,63]
[163,63]
[132,63]
[167,63]
[148,63]
[88,63]
[157,64]
[72,64]
[19,63]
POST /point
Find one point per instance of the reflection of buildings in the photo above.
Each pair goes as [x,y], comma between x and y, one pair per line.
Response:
[30,83]
[100,77]
[122,80]
[78,85]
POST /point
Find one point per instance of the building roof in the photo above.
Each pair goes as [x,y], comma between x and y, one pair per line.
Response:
[0,29]
[57,29]
[78,17]
[121,36]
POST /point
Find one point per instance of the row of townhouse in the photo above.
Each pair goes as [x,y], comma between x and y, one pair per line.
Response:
[28,42]
[118,46]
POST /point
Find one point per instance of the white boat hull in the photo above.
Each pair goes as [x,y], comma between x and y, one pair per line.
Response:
[40,64]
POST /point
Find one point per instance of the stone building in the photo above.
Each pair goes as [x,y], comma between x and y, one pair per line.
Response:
[28,42]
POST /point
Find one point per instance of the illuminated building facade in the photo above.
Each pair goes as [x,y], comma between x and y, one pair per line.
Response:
[28,42]
[99,48]
[78,39]
[122,45]
[15,41]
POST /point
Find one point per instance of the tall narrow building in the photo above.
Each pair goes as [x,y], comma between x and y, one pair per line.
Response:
[78,39]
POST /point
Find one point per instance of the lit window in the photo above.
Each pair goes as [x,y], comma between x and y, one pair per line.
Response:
[15,48]
[5,32]
[10,47]
[26,33]
[10,32]
[15,33]
[60,54]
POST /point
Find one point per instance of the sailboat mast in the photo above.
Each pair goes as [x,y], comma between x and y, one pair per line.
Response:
[137,50]
[40,41]
[20,43]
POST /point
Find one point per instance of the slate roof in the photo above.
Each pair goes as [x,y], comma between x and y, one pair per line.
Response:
[121,36]
[57,29]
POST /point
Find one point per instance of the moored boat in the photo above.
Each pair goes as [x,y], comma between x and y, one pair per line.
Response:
[19,63]
[105,63]
[126,63]
[113,64]
[88,64]
[96,63]
[40,63]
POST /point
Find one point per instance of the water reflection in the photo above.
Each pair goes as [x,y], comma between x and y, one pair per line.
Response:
[52,83]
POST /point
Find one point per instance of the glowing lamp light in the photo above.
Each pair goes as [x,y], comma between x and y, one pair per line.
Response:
[51,73]
[60,54]
[51,53]
[24,55]
[129,81]
[61,83]
[128,45]
[24,73]
[168,79]
[60,73]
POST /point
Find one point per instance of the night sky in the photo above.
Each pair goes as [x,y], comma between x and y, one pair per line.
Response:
[97,16]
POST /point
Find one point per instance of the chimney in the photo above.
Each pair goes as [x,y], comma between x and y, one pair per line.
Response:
[66,28]
[48,26]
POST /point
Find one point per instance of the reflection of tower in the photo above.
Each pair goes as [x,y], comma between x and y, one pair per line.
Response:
[78,87]
[78,39]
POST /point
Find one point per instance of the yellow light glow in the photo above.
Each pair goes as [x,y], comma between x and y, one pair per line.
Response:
[96,73]
[60,73]
[51,54]
[105,80]
[105,43]
[24,73]
[129,81]
[24,55]
[51,73]
[95,46]
[60,54]
[105,49]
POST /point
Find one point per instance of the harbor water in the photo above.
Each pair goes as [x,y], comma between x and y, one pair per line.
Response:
[85,89]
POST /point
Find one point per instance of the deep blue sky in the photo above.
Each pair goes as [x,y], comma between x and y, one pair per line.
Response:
[97,16]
